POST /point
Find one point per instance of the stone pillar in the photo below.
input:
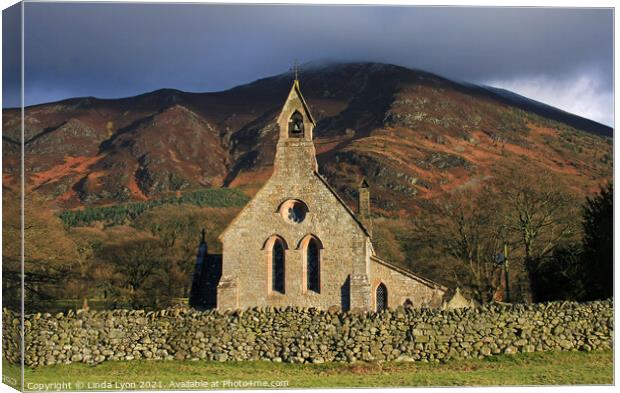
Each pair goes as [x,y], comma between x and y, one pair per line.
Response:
[360,292]
[228,294]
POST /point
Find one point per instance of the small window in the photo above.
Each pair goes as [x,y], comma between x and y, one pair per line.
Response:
[296,126]
[313,275]
[277,267]
[382,297]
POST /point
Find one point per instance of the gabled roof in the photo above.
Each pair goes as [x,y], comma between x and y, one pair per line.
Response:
[374,257]
[243,209]
[329,188]
[295,89]
[342,202]
[409,274]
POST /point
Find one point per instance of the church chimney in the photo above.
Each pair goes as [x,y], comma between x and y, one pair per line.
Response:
[363,204]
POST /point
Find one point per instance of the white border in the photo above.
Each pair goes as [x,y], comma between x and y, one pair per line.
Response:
[482,3]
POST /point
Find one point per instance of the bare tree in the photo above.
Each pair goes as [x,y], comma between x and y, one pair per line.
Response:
[541,218]
[139,270]
[179,231]
[85,253]
[49,253]
[468,227]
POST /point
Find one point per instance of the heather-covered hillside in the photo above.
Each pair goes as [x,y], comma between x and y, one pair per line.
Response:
[443,159]
[414,135]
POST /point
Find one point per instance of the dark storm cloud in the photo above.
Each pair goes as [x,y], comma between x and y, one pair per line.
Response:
[113,50]
[11,54]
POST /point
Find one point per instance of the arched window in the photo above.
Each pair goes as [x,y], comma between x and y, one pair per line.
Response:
[313,266]
[296,125]
[408,303]
[382,297]
[277,267]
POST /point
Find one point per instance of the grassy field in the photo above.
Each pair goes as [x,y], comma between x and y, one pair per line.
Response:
[550,368]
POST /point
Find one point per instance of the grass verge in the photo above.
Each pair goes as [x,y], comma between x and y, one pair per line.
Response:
[545,368]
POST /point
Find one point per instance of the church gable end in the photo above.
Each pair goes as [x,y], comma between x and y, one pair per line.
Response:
[297,243]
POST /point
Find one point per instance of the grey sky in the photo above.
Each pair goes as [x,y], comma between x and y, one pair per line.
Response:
[563,57]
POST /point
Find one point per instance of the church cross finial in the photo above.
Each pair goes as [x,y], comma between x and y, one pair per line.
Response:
[295,69]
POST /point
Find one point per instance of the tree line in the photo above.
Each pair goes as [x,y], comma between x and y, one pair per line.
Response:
[558,246]
[147,264]
[125,213]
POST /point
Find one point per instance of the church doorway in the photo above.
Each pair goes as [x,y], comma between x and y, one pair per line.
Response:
[381,297]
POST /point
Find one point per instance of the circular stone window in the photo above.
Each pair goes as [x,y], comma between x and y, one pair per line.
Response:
[293,210]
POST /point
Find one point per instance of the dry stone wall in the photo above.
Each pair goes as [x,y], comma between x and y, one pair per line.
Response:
[310,335]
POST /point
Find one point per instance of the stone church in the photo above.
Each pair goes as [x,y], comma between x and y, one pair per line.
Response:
[297,243]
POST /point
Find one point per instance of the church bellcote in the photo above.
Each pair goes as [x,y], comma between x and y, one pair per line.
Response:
[295,153]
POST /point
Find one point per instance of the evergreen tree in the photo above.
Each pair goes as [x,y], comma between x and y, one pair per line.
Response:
[598,244]
[561,275]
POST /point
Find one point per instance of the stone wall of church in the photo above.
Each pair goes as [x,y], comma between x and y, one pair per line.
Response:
[402,288]
[245,257]
[345,266]
[308,335]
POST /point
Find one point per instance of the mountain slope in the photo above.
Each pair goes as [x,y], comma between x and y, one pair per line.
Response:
[415,136]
